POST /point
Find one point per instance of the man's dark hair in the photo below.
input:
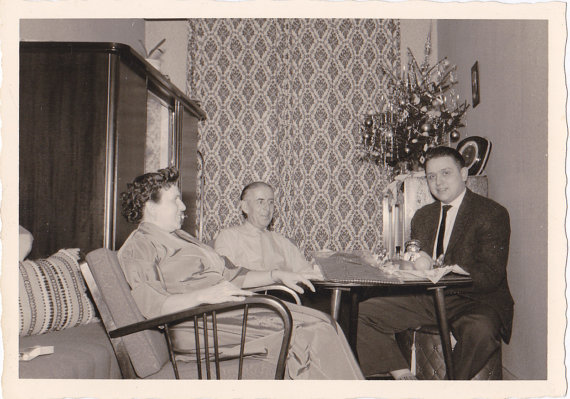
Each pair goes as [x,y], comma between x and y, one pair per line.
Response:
[145,188]
[442,151]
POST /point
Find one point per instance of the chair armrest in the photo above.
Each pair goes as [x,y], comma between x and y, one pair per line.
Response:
[257,300]
[278,287]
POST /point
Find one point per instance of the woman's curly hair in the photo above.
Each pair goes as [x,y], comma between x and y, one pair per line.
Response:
[144,188]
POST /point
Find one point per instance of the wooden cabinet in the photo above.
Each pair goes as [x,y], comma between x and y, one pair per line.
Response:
[84,131]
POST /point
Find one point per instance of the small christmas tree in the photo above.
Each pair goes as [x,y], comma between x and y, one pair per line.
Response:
[421,112]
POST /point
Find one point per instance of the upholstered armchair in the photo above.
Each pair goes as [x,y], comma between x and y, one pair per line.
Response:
[144,346]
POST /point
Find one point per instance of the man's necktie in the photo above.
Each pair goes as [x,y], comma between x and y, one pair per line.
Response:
[441,234]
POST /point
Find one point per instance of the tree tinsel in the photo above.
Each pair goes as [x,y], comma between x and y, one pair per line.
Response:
[421,111]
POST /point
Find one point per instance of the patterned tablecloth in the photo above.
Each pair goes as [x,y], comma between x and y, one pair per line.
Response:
[365,268]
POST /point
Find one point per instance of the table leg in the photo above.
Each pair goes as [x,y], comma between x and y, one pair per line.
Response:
[335,303]
[353,326]
[444,331]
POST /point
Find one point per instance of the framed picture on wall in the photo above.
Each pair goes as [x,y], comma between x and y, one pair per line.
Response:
[475,84]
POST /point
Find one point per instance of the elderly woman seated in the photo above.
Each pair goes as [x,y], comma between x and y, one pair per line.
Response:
[169,270]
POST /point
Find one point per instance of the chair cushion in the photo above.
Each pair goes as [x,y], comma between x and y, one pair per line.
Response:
[258,367]
[80,352]
[430,364]
[52,295]
[147,349]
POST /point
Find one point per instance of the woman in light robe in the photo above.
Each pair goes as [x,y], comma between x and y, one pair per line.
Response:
[168,270]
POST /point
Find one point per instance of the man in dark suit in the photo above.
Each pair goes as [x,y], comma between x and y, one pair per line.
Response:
[460,228]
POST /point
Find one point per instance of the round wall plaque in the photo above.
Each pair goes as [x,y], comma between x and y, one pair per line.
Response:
[475,151]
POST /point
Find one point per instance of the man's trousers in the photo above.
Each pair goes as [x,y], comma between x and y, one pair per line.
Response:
[475,326]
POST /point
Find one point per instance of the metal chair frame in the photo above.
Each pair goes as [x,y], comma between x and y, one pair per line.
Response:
[279,288]
[202,312]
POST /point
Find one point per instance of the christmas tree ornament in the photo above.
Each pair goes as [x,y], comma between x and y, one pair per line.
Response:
[454,136]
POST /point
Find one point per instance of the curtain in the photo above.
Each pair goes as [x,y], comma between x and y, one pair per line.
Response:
[285,99]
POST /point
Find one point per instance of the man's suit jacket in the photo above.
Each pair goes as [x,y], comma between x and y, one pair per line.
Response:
[479,243]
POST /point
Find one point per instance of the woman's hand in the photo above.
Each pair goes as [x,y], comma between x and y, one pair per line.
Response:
[222,292]
[291,280]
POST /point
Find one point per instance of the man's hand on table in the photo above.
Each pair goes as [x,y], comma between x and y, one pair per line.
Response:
[292,280]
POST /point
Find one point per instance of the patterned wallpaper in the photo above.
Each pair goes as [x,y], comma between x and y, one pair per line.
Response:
[284,98]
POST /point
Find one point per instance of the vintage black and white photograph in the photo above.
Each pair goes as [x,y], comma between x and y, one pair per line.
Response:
[322,198]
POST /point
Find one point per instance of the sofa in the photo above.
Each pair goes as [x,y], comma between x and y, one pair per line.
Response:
[56,311]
